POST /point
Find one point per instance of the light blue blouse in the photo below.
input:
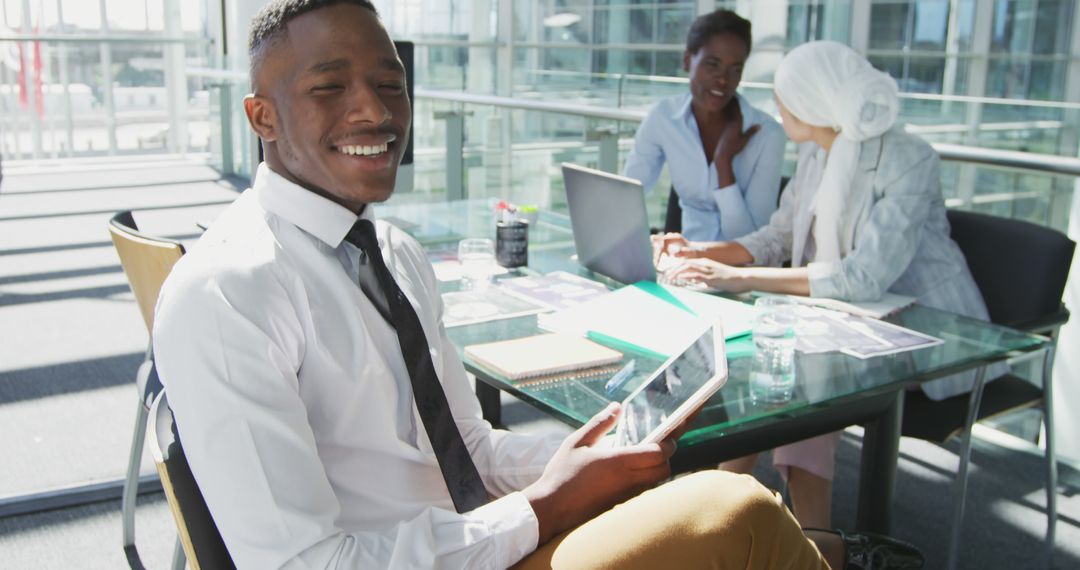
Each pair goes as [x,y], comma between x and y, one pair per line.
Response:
[670,134]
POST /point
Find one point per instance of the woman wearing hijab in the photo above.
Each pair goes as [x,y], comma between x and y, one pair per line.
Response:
[862,215]
[723,154]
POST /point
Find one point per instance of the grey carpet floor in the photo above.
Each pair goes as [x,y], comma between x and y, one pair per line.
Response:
[71,339]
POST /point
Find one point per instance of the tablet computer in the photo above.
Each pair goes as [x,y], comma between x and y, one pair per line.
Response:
[675,391]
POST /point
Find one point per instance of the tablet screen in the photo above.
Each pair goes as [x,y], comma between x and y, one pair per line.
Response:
[701,366]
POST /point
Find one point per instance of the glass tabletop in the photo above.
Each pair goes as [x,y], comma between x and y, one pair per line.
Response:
[441,225]
[822,380]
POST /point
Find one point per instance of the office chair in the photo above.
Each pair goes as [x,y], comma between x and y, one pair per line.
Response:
[199,534]
[147,260]
[1021,270]
[673,216]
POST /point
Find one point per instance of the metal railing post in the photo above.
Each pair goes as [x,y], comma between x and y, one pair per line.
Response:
[455,153]
[28,50]
[228,166]
[608,139]
[107,79]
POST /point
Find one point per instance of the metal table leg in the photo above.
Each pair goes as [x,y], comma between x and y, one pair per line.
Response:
[877,474]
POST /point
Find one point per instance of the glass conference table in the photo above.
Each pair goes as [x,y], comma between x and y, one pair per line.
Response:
[833,390]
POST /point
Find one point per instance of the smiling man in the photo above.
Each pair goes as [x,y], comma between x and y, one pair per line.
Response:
[324,412]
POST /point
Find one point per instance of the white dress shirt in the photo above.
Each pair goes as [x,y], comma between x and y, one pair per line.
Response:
[295,407]
[670,134]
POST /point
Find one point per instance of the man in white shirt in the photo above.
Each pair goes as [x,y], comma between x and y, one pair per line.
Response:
[293,397]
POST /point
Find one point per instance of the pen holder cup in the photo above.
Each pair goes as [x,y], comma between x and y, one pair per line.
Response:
[512,243]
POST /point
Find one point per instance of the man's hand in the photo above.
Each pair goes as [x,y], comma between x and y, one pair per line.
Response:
[684,426]
[582,481]
[732,141]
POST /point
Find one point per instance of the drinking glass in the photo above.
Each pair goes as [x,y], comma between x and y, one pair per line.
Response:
[772,375]
[477,258]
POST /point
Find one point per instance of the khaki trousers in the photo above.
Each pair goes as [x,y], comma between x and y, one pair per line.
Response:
[710,519]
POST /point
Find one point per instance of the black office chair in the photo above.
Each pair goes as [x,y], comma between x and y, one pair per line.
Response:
[198,533]
[673,216]
[1021,270]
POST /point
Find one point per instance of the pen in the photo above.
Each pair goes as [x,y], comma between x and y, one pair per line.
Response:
[620,377]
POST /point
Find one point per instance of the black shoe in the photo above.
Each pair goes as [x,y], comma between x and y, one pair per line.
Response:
[871,551]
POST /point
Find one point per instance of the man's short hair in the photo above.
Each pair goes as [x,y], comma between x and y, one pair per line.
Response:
[270,23]
[714,24]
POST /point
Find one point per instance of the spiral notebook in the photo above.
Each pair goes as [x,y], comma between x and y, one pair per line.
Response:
[542,356]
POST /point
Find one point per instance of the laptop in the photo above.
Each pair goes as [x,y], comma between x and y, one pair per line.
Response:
[610,224]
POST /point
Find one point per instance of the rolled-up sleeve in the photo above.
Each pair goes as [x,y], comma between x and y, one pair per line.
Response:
[748,204]
[771,244]
[507,461]
[646,159]
[887,241]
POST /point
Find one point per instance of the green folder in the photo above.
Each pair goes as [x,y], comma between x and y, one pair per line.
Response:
[651,319]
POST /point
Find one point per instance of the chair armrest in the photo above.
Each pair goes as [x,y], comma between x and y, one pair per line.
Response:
[1046,323]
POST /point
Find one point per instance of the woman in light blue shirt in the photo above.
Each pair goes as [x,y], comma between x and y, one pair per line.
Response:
[723,155]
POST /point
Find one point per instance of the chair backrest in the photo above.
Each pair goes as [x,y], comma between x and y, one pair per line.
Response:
[1020,268]
[147,261]
[673,215]
[198,533]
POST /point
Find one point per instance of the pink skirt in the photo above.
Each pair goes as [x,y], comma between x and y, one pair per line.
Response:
[816,455]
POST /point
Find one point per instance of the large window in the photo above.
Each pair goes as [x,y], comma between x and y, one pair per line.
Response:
[1030,49]
[925,44]
[88,90]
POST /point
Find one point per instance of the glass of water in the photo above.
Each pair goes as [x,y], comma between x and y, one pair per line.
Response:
[477,258]
[772,375]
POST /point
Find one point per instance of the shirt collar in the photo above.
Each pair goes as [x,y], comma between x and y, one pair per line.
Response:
[683,111]
[317,215]
[751,116]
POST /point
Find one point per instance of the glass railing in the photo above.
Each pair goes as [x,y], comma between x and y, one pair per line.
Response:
[66,96]
[233,146]
[514,153]
[166,97]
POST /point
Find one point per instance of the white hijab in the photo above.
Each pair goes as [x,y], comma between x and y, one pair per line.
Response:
[828,84]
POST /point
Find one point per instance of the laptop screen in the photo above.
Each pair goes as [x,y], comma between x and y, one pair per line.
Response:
[610,223]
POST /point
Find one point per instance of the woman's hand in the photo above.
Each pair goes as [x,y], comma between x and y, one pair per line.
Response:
[709,273]
[732,141]
[675,245]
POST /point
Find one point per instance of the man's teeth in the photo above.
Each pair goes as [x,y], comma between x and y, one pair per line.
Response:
[717,93]
[363,150]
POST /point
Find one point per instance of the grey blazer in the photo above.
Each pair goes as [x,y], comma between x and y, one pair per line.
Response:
[903,245]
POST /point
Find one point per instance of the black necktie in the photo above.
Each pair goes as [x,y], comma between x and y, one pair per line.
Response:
[462,479]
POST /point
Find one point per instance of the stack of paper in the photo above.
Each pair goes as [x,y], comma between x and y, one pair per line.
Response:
[824,330]
[888,304]
[647,317]
[556,290]
[489,304]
